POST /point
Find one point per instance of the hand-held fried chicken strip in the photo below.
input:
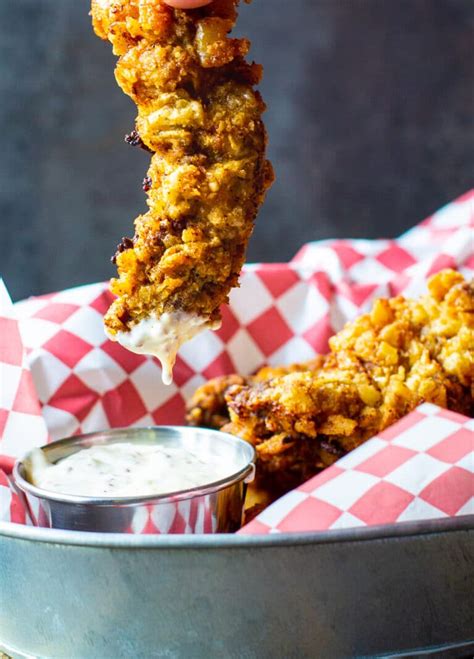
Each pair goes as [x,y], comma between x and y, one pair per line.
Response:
[381,366]
[200,116]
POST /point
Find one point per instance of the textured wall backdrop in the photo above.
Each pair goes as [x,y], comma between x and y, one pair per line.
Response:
[369,117]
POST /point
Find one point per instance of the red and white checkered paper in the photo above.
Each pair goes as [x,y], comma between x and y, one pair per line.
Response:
[281,313]
[420,468]
[21,423]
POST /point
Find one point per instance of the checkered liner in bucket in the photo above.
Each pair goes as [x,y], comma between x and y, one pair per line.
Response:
[420,468]
[281,313]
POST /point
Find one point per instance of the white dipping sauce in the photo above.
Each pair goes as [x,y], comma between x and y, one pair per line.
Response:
[125,470]
[163,336]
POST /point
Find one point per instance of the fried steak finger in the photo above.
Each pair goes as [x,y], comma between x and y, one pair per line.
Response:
[380,367]
[199,115]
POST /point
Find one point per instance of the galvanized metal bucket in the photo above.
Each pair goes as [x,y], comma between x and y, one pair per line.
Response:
[392,590]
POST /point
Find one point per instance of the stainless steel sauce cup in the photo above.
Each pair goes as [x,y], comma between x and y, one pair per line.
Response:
[211,508]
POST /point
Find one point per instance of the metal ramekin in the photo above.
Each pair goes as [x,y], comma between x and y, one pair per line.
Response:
[214,508]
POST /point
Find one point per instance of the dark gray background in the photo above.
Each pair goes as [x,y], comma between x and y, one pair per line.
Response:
[370,103]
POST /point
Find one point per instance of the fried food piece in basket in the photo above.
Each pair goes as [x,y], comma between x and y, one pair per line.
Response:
[200,117]
[256,500]
[208,407]
[381,366]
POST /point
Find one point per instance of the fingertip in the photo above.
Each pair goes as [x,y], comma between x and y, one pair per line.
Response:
[187,4]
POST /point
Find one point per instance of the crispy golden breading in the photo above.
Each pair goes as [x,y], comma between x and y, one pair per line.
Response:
[200,116]
[256,500]
[381,366]
[208,407]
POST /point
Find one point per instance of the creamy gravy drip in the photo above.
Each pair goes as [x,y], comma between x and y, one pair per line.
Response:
[125,470]
[163,336]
